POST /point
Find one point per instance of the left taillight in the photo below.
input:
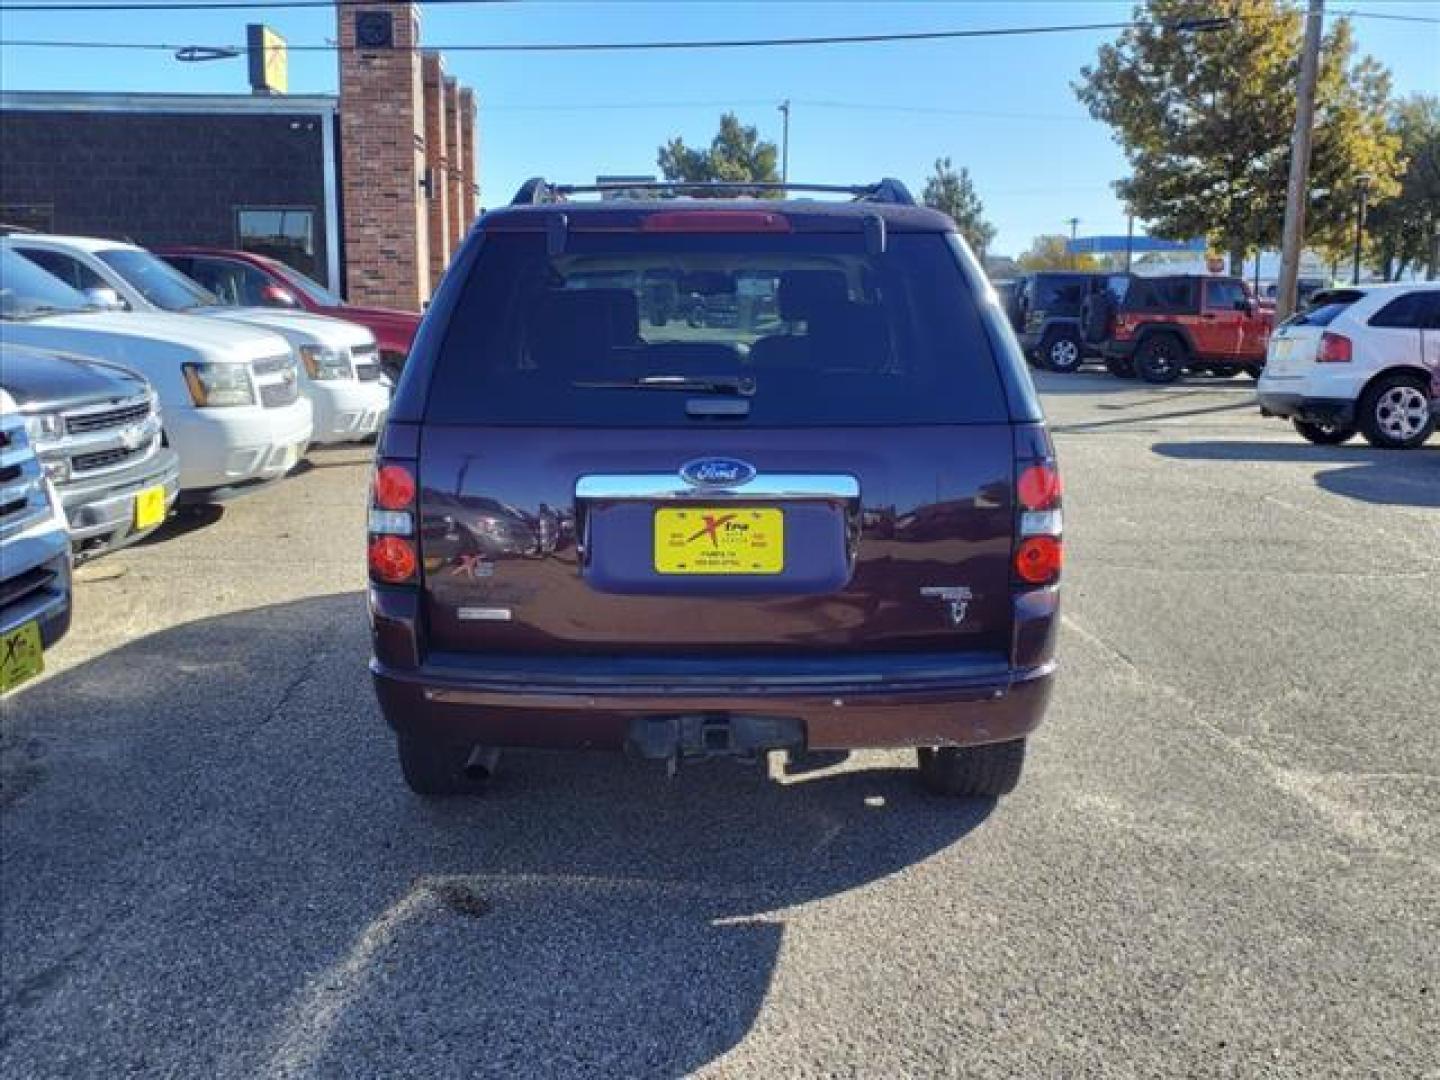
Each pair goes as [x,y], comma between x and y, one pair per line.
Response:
[1334,349]
[1039,548]
[392,555]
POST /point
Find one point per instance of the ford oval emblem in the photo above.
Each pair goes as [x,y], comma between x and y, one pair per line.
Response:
[717,472]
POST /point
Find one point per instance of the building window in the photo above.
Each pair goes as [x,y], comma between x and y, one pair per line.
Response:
[286,233]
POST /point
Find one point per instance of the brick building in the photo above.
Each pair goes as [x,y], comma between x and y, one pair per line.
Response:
[369,191]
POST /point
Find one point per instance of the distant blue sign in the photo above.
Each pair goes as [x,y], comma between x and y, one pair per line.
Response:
[1103,245]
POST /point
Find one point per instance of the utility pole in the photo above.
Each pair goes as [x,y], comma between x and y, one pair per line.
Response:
[1074,255]
[785,144]
[1295,190]
[1129,240]
[1362,189]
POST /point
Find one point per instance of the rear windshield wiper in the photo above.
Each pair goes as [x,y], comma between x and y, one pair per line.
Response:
[740,385]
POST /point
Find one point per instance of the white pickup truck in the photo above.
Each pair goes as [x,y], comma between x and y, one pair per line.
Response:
[229,393]
[340,361]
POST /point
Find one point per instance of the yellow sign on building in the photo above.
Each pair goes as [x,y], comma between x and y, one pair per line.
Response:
[269,60]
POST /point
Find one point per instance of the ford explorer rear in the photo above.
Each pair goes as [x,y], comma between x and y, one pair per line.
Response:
[828,521]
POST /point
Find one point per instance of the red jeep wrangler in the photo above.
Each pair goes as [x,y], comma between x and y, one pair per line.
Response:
[1162,326]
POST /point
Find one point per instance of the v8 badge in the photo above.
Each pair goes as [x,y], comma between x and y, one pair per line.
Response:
[956,598]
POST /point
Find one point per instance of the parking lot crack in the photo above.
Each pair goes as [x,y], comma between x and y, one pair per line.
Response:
[292,689]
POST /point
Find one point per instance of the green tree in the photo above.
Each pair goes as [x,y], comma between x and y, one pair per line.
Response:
[1205,119]
[1048,252]
[953,193]
[736,153]
[1405,230]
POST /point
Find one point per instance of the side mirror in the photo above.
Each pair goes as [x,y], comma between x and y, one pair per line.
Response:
[103,296]
[277,296]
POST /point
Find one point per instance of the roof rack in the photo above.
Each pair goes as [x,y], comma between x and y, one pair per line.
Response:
[538,191]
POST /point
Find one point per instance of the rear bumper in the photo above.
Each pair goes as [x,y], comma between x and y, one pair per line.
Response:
[496,705]
[1311,409]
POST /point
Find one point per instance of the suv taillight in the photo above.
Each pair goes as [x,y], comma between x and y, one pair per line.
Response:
[391,549]
[1040,551]
[1334,349]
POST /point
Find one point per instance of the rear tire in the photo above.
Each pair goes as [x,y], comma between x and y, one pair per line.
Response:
[1394,412]
[1160,358]
[1062,352]
[970,771]
[1324,434]
[435,769]
[1121,368]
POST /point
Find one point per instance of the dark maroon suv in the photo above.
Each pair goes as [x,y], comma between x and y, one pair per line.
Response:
[828,521]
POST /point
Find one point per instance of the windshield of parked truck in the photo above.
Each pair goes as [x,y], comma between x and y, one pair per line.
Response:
[26,291]
[156,280]
[309,286]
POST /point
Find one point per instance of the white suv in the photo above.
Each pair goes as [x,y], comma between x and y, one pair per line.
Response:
[230,394]
[339,361]
[1359,358]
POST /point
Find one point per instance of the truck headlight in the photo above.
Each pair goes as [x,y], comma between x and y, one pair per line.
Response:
[44,427]
[322,362]
[214,386]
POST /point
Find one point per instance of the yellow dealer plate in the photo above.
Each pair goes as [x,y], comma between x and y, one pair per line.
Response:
[21,656]
[149,507]
[719,540]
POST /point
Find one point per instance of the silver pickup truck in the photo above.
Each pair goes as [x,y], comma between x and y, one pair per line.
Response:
[34,557]
[96,429]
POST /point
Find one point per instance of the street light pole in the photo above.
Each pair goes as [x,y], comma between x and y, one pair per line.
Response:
[1362,189]
[1129,240]
[1074,256]
[1294,235]
[785,143]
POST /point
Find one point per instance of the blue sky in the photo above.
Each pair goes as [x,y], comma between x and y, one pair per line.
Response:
[1001,107]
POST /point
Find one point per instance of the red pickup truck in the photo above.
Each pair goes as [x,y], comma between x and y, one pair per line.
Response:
[247,279]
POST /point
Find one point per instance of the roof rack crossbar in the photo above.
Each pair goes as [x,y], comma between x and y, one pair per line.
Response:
[537,190]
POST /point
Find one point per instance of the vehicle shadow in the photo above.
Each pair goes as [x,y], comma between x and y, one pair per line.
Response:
[206,842]
[1388,477]
[1383,485]
[184,520]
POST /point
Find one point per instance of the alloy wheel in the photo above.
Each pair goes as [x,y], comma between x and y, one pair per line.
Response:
[1402,412]
[1064,355]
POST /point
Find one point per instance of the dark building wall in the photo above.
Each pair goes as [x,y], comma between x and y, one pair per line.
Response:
[160,178]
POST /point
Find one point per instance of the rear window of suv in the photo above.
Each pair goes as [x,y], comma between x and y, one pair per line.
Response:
[819,330]
[1324,306]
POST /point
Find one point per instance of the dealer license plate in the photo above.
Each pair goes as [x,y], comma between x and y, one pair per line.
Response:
[149,507]
[22,656]
[719,540]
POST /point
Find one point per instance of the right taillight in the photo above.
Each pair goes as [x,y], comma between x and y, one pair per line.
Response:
[391,551]
[1334,349]
[1040,551]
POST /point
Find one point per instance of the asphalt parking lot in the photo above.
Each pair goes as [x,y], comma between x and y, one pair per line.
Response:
[1224,858]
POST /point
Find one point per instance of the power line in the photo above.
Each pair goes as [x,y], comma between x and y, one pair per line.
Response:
[638,46]
[215,5]
[1390,16]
